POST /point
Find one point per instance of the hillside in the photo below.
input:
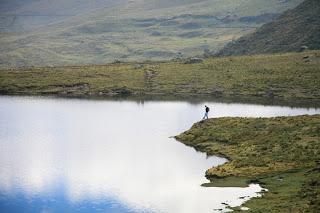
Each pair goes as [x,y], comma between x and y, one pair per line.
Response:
[27,15]
[285,78]
[139,30]
[292,30]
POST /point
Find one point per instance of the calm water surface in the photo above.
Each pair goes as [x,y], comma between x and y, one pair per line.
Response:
[59,155]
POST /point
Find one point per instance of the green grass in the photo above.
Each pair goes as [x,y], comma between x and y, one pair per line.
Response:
[283,78]
[288,33]
[282,154]
[227,182]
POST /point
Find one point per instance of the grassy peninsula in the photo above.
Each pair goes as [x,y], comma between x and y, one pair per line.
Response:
[284,77]
[282,154]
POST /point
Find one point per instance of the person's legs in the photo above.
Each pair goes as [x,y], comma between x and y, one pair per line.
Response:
[207,116]
[204,117]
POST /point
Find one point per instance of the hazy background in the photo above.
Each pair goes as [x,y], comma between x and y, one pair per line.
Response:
[66,32]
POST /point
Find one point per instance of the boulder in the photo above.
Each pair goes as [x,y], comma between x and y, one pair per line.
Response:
[193,60]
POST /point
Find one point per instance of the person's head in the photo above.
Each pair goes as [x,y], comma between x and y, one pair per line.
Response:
[205,106]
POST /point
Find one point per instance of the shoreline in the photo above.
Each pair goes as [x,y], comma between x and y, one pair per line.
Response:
[281,79]
[280,154]
[191,98]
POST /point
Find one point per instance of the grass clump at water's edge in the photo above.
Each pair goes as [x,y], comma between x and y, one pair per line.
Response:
[280,77]
[282,154]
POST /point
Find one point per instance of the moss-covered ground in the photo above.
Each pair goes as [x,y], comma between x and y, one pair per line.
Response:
[282,154]
[284,77]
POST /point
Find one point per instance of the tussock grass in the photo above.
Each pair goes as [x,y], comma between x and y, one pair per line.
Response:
[286,77]
[282,154]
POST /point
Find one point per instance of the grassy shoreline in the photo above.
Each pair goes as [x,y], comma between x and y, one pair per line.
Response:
[282,154]
[281,78]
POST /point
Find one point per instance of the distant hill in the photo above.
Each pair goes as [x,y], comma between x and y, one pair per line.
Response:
[26,15]
[289,32]
[131,30]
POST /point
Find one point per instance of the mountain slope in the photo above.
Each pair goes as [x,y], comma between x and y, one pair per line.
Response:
[292,30]
[140,30]
[26,15]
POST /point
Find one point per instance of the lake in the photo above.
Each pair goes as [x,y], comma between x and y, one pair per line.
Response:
[72,155]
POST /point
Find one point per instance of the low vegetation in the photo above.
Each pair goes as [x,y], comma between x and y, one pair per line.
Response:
[283,77]
[294,30]
[282,154]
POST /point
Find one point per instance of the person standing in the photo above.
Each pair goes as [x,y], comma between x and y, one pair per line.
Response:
[206,115]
